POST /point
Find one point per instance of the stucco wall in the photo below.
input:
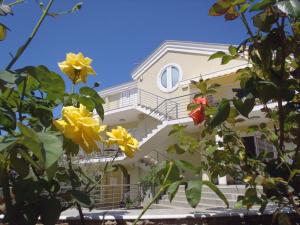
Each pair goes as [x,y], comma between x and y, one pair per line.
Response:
[191,66]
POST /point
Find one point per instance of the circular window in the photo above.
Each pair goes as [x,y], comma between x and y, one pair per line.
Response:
[169,78]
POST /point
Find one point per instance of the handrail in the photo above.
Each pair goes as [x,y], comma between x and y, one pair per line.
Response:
[148,92]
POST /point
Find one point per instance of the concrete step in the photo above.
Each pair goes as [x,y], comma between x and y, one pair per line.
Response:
[238,189]
[208,197]
[203,202]
[182,197]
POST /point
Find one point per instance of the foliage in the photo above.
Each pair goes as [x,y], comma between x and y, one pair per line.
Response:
[40,172]
[269,85]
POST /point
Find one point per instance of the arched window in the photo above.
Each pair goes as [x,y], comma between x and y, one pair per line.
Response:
[169,77]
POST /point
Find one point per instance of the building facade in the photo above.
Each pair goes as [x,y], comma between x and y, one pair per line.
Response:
[157,98]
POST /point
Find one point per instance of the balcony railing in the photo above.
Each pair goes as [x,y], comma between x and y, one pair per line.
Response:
[132,97]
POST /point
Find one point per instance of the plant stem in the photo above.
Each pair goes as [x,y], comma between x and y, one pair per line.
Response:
[22,98]
[71,171]
[32,35]
[161,190]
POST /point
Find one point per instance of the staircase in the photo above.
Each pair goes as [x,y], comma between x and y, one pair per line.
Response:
[208,200]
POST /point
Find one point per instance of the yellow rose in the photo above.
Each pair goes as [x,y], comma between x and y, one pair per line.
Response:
[78,125]
[77,67]
[2,32]
[126,142]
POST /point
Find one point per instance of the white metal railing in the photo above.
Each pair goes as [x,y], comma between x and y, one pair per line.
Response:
[117,196]
[132,97]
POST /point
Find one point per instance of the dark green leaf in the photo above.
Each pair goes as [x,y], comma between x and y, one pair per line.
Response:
[215,189]
[172,190]
[193,192]
[50,82]
[226,59]
[244,108]
[218,54]
[52,146]
[31,141]
[221,114]
[261,5]
[7,143]
[81,197]
[7,118]
[87,102]
[186,166]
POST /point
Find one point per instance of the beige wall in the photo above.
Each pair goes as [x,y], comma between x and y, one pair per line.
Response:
[191,65]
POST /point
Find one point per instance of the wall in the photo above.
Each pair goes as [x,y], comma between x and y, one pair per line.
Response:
[191,65]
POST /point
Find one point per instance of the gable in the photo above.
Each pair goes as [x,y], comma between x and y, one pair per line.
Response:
[190,65]
[204,49]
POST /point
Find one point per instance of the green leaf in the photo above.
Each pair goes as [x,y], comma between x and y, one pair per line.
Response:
[216,55]
[232,50]
[175,149]
[193,192]
[50,82]
[10,78]
[81,197]
[186,166]
[7,142]
[221,114]
[244,8]
[261,5]
[31,141]
[290,7]
[244,108]
[89,93]
[215,189]
[172,190]
[7,118]
[87,102]
[226,59]
[52,146]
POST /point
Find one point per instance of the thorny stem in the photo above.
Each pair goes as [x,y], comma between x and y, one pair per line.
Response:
[32,35]
[161,190]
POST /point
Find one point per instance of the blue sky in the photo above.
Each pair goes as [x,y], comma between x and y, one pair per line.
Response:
[116,34]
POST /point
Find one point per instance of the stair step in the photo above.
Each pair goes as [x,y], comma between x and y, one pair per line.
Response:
[182,197]
[203,202]
[224,189]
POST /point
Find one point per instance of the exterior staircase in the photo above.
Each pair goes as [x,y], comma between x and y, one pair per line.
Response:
[208,198]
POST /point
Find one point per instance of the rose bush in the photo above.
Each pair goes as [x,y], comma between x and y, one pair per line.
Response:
[39,169]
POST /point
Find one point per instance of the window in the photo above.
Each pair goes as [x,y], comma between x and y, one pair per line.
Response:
[169,78]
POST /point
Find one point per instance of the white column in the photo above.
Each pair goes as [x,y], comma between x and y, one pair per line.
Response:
[221,180]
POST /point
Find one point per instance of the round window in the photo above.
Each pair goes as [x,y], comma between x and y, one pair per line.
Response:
[169,78]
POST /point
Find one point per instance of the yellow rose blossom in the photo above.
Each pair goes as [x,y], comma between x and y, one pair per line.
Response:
[77,67]
[126,142]
[78,125]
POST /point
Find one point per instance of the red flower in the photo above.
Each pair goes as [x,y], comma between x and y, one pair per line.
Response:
[198,114]
[202,101]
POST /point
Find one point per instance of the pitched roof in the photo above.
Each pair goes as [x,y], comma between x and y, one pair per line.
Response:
[200,48]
